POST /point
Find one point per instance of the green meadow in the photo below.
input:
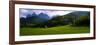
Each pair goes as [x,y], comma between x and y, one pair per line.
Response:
[54,30]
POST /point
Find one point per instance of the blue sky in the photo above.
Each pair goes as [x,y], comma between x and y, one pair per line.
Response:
[50,13]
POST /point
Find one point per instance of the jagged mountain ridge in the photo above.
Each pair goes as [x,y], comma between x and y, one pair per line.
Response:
[42,17]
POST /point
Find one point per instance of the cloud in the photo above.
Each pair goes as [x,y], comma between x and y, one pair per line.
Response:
[50,13]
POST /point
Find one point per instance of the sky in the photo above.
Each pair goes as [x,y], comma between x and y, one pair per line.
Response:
[50,13]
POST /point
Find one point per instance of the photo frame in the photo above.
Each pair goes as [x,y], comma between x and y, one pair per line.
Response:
[19,9]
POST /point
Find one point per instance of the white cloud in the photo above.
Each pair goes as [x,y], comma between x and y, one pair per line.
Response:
[50,13]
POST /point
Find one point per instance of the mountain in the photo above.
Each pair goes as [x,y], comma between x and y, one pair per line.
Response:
[36,18]
[42,19]
[68,18]
[79,13]
[43,16]
[34,14]
[79,18]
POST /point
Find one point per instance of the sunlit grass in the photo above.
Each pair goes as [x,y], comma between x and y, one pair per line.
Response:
[54,30]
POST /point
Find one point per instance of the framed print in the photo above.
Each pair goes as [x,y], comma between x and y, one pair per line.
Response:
[35,22]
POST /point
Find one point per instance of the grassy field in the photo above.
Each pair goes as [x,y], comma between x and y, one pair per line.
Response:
[54,30]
